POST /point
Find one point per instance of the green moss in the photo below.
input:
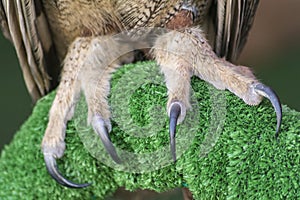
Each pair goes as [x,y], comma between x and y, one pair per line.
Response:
[226,149]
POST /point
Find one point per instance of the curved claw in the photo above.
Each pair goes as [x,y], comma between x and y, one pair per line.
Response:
[102,131]
[52,169]
[109,146]
[174,114]
[271,95]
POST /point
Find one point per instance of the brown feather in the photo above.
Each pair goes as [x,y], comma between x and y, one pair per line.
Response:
[22,27]
[233,22]
[34,33]
[3,23]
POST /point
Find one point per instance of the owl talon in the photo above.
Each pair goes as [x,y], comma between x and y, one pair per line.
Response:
[175,112]
[52,169]
[271,95]
[101,129]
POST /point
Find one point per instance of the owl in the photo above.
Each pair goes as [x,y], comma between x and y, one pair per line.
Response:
[76,45]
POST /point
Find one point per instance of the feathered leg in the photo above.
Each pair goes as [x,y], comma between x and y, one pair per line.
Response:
[182,54]
[87,67]
[53,144]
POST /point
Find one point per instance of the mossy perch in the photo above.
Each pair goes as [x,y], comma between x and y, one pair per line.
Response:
[246,162]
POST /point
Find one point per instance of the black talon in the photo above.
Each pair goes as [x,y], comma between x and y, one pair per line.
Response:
[174,114]
[56,175]
[104,136]
[109,146]
[271,95]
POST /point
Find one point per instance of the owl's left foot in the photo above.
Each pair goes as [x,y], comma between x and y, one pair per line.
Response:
[182,54]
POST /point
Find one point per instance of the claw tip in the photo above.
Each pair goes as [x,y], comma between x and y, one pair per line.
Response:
[174,114]
[56,175]
[272,96]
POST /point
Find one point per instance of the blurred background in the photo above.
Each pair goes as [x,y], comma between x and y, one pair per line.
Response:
[273,51]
